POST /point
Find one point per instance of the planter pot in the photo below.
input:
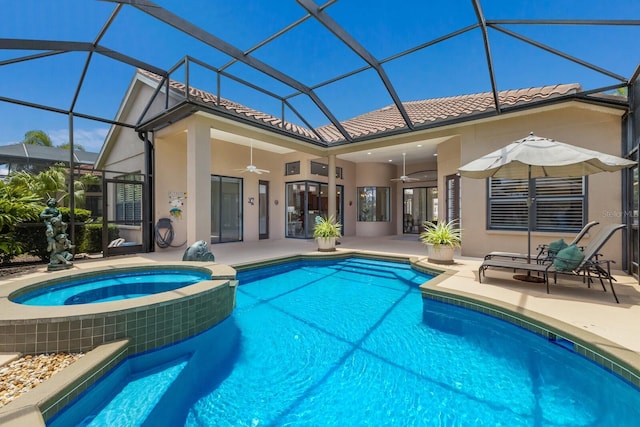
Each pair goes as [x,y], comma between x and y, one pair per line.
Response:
[326,244]
[440,254]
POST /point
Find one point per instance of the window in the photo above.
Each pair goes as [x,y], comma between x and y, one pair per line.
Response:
[374,203]
[559,204]
[322,169]
[453,197]
[292,168]
[129,200]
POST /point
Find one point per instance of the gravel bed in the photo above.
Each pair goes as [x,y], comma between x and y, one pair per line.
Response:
[27,372]
[22,375]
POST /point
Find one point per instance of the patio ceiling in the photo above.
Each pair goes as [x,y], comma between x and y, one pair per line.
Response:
[310,64]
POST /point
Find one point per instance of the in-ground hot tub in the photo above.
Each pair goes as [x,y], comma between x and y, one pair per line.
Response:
[112,286]
[149,320]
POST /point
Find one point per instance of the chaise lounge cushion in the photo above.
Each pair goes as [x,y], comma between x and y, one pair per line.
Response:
[568,259]
[557,246]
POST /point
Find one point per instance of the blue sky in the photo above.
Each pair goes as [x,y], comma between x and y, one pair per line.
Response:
[308,53]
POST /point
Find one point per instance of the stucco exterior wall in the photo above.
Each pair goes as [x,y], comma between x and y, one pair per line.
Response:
[578,126]
[171,182]
[125,151]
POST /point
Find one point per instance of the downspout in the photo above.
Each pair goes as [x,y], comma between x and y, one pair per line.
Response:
[147,195]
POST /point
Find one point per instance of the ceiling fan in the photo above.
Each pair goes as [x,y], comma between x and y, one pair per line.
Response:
[251,168]
[404,177]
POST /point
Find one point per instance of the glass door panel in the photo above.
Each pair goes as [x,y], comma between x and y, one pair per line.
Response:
[226,209]
[313,207]
[305,201]
[295,209]
[263,210]
[231,210]
[419,204]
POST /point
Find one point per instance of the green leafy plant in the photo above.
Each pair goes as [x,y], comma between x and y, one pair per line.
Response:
[17,206]
[327,227]
[92,242]
[441,233]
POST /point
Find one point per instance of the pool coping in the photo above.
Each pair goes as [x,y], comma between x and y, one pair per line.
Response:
[617,359]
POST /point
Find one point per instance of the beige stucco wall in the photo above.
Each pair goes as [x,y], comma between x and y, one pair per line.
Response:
[577,126]
[171,179]
[125,150]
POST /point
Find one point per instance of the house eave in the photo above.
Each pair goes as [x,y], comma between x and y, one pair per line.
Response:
[187,108]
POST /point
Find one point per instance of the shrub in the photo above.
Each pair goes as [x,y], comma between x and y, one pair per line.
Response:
[92,242]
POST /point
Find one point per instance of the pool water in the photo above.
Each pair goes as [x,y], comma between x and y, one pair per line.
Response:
[352,343]
[112,286]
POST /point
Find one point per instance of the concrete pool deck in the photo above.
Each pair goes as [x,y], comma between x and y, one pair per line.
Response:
[588,315]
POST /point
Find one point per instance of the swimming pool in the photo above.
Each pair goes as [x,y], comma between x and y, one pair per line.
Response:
[110,286]
[352,342]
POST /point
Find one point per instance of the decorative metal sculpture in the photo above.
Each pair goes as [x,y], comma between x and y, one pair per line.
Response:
[58,243]
[199,251]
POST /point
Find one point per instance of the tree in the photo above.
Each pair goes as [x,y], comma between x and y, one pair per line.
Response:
[16,205]
[50,183]
[76,147]
[37,137]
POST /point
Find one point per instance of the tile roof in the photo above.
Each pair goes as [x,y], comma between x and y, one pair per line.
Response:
[440,109]
[235,108]
[387,118]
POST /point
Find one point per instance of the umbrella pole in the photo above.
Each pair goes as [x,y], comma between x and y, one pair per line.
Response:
[529,204]
[528,277]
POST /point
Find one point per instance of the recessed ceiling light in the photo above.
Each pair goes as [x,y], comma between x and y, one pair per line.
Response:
[435,154]
[390,160]
[419,145]
[369,153]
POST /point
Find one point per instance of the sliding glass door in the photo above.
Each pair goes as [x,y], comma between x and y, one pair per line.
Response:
[305,201]
[419,204]
[226,209]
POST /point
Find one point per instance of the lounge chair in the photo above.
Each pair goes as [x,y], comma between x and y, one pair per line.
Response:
[591,266]
[543,254]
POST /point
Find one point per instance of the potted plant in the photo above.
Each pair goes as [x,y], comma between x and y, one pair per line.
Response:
[441,238]
[326,231]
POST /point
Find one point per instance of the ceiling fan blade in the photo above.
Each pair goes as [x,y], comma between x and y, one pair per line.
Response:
[251,167]
[404,177]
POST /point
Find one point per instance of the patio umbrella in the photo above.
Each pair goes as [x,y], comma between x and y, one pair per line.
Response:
[537,157]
